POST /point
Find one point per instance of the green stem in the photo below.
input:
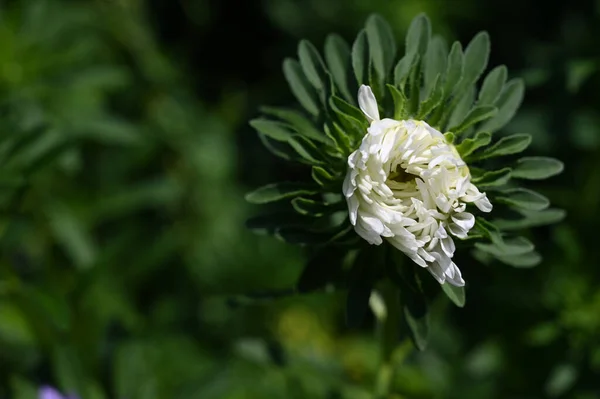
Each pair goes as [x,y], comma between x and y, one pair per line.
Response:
[387,331]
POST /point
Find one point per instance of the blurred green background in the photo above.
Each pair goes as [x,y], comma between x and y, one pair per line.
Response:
[124,156]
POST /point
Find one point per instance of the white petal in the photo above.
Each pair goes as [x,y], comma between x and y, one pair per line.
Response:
[454,277]
[368,103]
[352,208]
[484,204]
[465,220]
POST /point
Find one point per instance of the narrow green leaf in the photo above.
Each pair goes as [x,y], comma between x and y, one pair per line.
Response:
[400,103]
[402,70]
[307,150]
[532,219]
[339,62]
[417,319]
[73,234]
[300,124]
[344,136]
[537,168]
[359,290]
[435,98]
[508,145]
[322,177]
[275,130]
[278,191]
[475,59]
[350,110]
[418,35]
[300,86]
[476,115]
[527,260]
[314,208]
[492,85]
[454,115]
[434,63]
[360,58]
[414,84]
[454,69]
[312,65]
[509,247]
[523,198]
[488,230]
[470,145]
[508,102]
[492,179]
[456,294]
[450,137]
[382,45]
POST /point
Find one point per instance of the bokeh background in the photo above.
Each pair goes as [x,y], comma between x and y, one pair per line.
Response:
[125,153]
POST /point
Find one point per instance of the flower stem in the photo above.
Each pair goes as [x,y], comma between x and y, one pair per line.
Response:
[387,332]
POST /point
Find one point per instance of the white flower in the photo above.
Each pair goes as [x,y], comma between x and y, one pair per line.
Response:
[407,184]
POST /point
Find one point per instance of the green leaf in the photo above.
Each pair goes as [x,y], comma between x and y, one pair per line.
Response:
[508,145]
[456,294]
[523,198]
[360,58]
[562,378]
[278,191]
[434,63]
[402,70]
[359,289]
[314,208]
[417,319]
[434,99]
[418,35]
[476,115]
[492,85]
[339,62]
[527,260]
[470,145]
[454,69]
[450,137]
[532,219]
[414,84]
[300,86]
[382,45]
[509,101]
[313,66]
[537,168]
[350,110]
[307,150]
[298,122]
[68,369]
[400,103]
[475,59]
[73,235]
[322,176]
[270,222]
[15,329]
[510,247]
[492,179]
[343,137]
[322,269]
[488,229]
[461,108]
[275,130]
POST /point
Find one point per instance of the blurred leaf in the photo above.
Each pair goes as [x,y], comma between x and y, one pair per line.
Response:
[532,219]
[526,260]
[312,65]
[523,198]
[132,372]
[300,87]
[339,62]
[22,389]
[456,294]
[360,58]
[359,290]
[578,71]
[507,103]
[537,168]
[279,191]
[68,370]
[492,85]
[73,235]
[275,130]
[297,121]
[418,35]
[382,46]
[14,327]
[561,379]
[510,247]
[323,268]
[417,319]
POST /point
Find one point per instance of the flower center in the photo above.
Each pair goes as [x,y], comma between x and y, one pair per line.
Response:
[401,176]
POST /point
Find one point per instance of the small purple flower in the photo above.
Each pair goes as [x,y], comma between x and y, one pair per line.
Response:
[47,392]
